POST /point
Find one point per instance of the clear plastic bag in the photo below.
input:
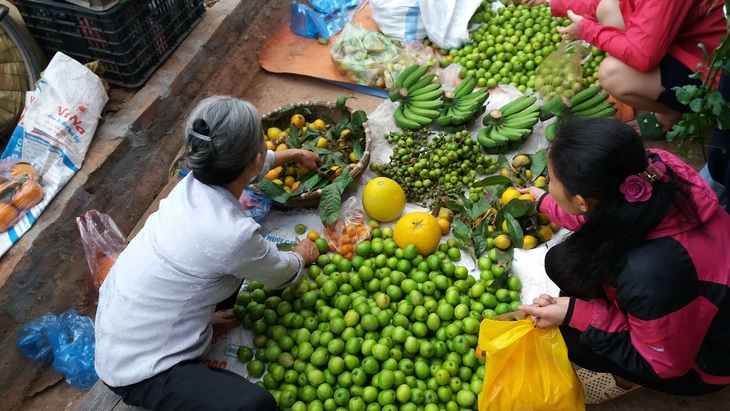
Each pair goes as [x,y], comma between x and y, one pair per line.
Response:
[349,229]
[103,241]
[67,339]
[256,205]
[362,55]
[561,71]
[415,53]
[20,190]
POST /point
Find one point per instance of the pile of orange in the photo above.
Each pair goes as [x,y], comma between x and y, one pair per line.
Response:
[20,189]
[344,234]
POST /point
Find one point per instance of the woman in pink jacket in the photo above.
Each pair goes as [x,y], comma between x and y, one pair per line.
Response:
[646,271]
[652,46]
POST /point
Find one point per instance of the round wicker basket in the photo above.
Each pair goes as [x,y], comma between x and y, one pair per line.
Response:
[327,111]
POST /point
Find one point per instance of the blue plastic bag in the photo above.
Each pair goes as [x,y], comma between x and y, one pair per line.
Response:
[67,339]
[329,7]
[254,204]
[308,22]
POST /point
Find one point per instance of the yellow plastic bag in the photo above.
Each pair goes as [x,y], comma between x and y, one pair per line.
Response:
[527,369]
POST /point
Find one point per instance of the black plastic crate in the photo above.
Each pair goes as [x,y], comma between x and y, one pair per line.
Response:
[131,39]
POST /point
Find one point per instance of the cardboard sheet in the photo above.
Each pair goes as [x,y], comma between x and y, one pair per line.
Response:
[291,53]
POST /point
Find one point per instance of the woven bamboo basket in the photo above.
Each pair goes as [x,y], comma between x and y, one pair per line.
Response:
[329,112]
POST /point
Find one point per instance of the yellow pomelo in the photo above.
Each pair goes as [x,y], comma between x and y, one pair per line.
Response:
[420,229]
[383,199]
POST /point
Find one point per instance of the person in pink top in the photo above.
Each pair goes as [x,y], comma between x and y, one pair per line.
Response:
[652,46]
[645,273]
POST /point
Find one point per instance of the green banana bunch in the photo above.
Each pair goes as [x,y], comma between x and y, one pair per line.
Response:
[462,105]
[419,96]
[509,126]
[589,102]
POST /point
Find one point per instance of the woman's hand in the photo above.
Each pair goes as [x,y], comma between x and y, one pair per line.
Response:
[570,32]
[535,192]
[531,3]
[547,311]
[308,159]
[307,249]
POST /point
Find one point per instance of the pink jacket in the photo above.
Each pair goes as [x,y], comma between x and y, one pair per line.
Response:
[668,310]
[654,28]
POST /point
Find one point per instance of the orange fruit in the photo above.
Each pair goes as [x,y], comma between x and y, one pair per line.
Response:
[509,194]
[383,199]
[19,170]
[103,265]
[273,174]
[298,120]
[28,195]
[420,229]
[282,147]
[272,133]
[502,242]
[317,124]
[313,235]
[526,196]
[444,225]
[529,242]
[8,215]
[520,160]
[544,233]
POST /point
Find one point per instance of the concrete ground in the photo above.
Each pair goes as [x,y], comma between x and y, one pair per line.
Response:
[127,167]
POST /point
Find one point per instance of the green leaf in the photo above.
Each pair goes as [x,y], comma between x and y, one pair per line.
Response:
[358,119]
[273,191]
[502,161]
[538,163]
[294,137]
[696,105]
[494,181]
[480,245]
[309,183]
[330,204]
[715,103]
[504,257]
[518,208]
[357,148]
[285,246]
[460,230]
[514,229]
[481,207]
[343,181]
[685,94]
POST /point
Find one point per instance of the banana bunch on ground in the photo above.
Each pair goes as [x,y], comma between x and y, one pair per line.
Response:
[509,126]
[419,97]
[462,105]
[587,103]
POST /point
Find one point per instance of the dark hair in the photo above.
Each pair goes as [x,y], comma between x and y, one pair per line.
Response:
[234,138]
[592,158]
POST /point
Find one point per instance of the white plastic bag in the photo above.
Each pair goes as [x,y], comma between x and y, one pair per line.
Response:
[55,131]
[399,19]
[447,21]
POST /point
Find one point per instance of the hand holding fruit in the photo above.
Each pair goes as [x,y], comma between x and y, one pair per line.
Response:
[535,192]
[571,32]
[307,249]
[549,315]
[308,159]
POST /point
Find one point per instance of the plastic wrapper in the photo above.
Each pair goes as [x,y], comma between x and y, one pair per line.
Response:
[20,190]
[561,72]
[415,52]
[255,205]
[527,367]
[103,241]
[350,228]
[362,56]
[67,339]
[323,21]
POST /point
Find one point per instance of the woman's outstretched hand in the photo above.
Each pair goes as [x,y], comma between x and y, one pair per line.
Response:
[307,249]
[546,310]
[309,159]
[535,192]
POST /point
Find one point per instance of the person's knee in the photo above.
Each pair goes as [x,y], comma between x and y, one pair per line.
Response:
[608,13]
[609,74]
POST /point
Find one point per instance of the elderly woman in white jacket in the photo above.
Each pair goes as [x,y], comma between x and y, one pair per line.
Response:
[158,302]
